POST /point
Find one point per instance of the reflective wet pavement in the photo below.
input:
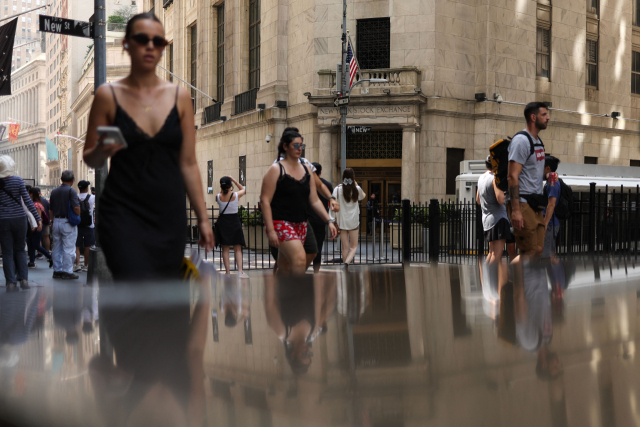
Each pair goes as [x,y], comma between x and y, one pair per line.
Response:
[446,345]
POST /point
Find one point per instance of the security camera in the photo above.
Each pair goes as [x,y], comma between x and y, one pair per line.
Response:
[498,98]
[268,138]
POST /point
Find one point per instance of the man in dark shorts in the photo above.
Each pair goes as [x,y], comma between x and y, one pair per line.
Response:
[317,224]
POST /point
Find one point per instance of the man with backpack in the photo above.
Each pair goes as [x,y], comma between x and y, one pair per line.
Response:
[525,174]
[552,191]
[86,231]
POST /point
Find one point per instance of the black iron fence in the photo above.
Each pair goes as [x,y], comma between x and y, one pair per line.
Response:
[604,221]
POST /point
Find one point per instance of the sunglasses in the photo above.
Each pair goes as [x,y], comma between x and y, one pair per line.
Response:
[143,39]
[299,146]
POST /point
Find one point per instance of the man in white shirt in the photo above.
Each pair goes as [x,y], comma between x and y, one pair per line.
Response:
[86,230]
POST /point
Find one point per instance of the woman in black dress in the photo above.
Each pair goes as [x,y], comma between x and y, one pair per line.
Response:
[142,211]
[228,225]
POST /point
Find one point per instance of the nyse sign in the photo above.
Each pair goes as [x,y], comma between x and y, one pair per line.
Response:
[381,110]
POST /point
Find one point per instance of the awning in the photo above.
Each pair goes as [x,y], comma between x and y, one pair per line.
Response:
[52,150]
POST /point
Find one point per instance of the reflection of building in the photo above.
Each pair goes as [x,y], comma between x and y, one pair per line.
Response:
[25,106]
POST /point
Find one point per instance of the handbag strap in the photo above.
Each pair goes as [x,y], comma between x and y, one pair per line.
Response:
[225,208]
[11,195]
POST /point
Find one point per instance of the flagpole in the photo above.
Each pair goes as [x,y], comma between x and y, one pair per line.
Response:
[24,44]
[22,13]
[343,83]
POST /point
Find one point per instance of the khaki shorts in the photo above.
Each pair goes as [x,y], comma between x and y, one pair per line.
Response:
[46,230]
[531,236]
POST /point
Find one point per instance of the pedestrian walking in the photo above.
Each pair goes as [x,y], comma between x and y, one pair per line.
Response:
[525,174]
[63,199]
[228,226]
[13,225]
[46,225]
[348,194]
[36,236]
[552,190]
[142,236]
[373,212]
[86,232]
[317,225]
[286,192]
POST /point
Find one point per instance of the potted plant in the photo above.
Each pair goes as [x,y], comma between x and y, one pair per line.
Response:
[419,220]
[253,228]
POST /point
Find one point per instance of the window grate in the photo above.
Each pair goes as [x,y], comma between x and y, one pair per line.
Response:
[375,145]
[543,48]
[246,101]
[592,63]
[254,44]
[220,58]
[212,113]
[635,72]
[374,43]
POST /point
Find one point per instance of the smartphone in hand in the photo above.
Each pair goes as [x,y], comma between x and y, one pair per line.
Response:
[112,135]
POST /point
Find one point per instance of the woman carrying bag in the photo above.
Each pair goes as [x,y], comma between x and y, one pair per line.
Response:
[348,194]
[228,226]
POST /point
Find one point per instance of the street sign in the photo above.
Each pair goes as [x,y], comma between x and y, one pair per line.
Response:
[358,129]
[340,102]
[69,27]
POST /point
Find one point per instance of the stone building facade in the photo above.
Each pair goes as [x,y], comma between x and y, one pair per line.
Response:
[271,64]
[26,106]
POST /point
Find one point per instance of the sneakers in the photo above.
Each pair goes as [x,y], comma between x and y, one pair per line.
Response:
[57,274]
[24,285]
[32,265]
[39,256]
[67,276]
[85,268]
[77,268]
[11,287]
[243,275]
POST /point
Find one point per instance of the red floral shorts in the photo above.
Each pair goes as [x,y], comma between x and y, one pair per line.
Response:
[291,230]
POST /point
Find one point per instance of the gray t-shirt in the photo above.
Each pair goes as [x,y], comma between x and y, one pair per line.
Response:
[532,164]
[492,211]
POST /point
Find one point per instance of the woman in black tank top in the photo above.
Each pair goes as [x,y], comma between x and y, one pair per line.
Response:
[285,189]
[143,237]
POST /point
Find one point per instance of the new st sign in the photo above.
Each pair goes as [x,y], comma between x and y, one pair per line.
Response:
[69,27]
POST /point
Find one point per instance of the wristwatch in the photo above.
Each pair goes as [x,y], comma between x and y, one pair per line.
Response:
[331,221]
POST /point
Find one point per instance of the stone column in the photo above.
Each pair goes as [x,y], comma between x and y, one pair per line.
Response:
[325,154]
[409,178]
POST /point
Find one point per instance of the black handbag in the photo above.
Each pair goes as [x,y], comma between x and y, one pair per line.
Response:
[537,202]
[216,229]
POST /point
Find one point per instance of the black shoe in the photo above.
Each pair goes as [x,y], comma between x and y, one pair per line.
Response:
[31,265]
[67,276]
[50,262]
[57,275]
[24,285]
[12,287]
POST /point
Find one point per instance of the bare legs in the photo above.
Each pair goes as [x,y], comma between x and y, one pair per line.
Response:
[349,241]
[237,249]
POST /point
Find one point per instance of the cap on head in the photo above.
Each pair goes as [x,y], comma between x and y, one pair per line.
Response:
[7,166]
[225,182]
[83,185]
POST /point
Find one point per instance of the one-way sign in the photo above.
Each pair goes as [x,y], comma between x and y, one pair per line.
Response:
[69,27]
[338,102]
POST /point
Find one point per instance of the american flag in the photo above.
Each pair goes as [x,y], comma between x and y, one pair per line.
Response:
[353,64]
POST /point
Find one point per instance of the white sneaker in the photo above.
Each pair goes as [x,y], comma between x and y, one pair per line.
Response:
[77,268]
[243,276]
[85,268]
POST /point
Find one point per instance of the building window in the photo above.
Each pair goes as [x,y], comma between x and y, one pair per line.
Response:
[634,163]
[220,78]
[635,72]
[170,61]
[374,43]
[590,160]
[194,58]
[592,6]
[454,157]
[592,63]
[254,44]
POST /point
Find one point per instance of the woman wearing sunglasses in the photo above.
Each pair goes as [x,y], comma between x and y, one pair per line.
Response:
[142,235]
[286,190]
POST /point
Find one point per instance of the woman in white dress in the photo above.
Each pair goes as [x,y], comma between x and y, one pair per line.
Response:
[348,194]
[228,227]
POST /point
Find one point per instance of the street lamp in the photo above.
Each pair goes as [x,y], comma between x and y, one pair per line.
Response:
[343,121]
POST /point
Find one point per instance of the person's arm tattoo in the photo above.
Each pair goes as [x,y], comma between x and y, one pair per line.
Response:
[514,195]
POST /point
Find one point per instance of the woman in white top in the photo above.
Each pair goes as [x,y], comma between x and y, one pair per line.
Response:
[348,194]
[228,226]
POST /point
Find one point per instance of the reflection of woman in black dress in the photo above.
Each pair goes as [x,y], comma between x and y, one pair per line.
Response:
[142,211]
[297,311]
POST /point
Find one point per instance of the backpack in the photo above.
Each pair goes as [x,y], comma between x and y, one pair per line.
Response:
[564,206]
[499,152]
[45,216]
[85,212]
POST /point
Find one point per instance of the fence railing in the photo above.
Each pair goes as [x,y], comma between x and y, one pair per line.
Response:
[246,101]
[212,113]
[603,222]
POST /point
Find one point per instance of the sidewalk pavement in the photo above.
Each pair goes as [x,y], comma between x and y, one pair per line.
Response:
[42,276]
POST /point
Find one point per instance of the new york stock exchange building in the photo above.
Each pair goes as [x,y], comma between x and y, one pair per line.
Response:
[263,66]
